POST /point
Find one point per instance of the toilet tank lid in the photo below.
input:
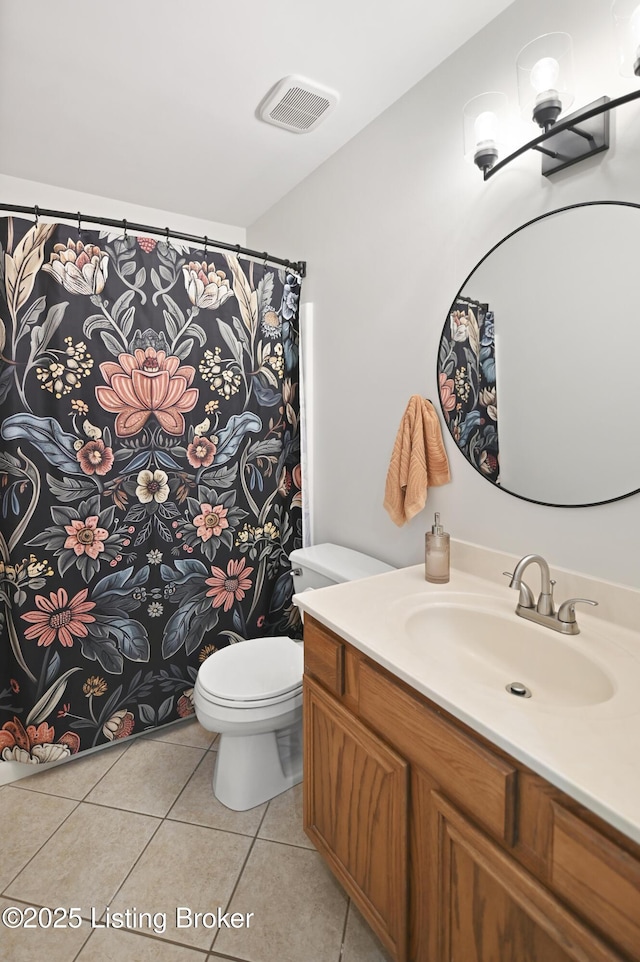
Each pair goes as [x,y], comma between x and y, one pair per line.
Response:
[338,563]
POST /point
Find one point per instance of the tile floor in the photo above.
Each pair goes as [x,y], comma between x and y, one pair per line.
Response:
[136,828]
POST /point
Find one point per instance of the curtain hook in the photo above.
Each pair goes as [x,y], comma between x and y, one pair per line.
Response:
[266,258]
[124,224]
[166,230]
[238,250]
[37,214]
[79,227]
[206,244]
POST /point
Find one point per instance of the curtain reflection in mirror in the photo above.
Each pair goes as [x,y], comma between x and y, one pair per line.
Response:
[467,381]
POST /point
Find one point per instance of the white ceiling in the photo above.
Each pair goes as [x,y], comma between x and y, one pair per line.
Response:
[153,101]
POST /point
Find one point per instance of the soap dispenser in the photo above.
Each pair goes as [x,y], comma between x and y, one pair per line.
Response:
[436,553]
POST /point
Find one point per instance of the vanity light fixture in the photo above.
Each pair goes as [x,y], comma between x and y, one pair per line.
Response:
[545,91]
[485,122]
[545,78]
[626,19]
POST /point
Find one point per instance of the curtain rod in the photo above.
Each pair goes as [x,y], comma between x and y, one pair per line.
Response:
[300,267]
[470,300]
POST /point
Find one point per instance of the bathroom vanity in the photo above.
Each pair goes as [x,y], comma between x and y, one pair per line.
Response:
[452,846]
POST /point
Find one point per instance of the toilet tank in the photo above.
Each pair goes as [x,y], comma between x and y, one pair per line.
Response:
[322,565]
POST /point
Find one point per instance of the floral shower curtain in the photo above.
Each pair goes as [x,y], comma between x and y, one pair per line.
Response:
[150,488]
[467,383]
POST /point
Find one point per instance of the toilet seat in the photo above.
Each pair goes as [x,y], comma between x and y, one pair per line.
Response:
[242,705]
[253,673]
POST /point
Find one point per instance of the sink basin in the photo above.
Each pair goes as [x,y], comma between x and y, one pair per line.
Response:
[488,647]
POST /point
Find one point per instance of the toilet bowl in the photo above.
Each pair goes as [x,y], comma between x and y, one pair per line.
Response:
[251,692]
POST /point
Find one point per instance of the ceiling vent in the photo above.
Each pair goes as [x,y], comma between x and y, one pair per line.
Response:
[297,105]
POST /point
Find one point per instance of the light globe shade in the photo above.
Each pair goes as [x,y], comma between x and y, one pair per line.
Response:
[485,124]
[545,77]
[626,19]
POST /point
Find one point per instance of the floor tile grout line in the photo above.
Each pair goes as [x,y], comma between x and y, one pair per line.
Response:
[184,787]
[140,854]
[278,841]
[161,821]
[230,958]
[144,935]
[174,818]
[182,821]
[40,791]
[81,949]
[71,761]
[241,872]
[172,941]
[227,831]
[151,733]
[158,938]
[82,801]
[115,762]
[204,754]
[180,945]
[39,849]
[111,767]
[133,811]
[344,929]
[126,743]
[166,741]
[111,808]
[34,904]
[105,748]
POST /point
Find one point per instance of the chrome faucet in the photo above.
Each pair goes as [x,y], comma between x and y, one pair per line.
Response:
[543,611]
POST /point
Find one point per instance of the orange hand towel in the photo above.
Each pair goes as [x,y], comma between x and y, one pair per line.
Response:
[418,460]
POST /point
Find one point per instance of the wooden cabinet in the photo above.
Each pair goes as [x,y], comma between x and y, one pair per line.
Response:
[488,908]
[596,877]
[453,851]
[478,779]
[355,806]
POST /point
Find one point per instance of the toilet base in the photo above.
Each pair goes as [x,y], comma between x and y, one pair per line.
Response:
[251,769]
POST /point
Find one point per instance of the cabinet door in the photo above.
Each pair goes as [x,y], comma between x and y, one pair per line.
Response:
[489,909]
[355,811]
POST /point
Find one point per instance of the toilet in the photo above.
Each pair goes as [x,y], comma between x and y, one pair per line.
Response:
[251,692]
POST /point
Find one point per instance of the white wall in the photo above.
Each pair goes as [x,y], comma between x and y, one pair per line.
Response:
[390,227]
[26,193]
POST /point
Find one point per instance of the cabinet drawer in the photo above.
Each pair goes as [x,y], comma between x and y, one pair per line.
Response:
[598,878]
[324,656]
[478,780]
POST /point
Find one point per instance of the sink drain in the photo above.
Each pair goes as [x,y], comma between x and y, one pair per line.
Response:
[517,688]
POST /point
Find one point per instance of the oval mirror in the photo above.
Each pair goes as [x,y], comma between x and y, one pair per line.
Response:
[539,358]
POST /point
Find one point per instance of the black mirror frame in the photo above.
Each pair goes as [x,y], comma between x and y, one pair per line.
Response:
[499,487]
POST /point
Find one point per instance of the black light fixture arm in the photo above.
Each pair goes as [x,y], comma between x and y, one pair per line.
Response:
[584,133]
[299,267]
[571,124]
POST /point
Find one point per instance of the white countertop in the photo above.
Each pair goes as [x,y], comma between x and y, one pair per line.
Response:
[591,752]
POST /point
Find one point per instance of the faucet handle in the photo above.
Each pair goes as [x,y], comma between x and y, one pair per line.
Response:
[545,602]
[526,599]
[567,610]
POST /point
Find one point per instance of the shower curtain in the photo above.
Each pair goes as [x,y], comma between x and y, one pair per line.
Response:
[467,381]
[150,484]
